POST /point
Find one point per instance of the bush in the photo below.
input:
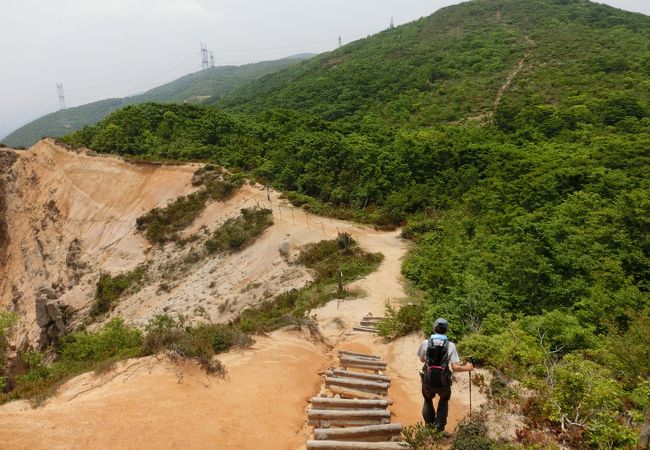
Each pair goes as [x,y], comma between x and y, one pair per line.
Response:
[402,321]
[78,352]
[472,435]
[422,437]
[109,289]
[169,334]
[161,225]
[239,232]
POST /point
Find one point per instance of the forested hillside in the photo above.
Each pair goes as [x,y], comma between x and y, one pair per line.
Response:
[531,226]
[195,88]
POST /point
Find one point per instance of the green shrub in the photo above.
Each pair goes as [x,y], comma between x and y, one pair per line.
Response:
[401,321]
[472,435]
[422,437]
[172,335]
[236,233]
[109,289]
[78,352]
[161,225]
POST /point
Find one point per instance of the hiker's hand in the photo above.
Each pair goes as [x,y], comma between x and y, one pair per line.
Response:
[469,366]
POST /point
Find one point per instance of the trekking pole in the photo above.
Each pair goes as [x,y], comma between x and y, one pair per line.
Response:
[471,360]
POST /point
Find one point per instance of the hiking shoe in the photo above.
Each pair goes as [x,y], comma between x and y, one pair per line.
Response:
[445,434]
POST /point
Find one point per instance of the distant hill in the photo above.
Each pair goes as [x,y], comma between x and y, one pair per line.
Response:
[212,83]
[451,65]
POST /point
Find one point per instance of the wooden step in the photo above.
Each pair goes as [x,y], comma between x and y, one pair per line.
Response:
[368,323]
[347,445]
[355,393]
[349,414]
[344,403]
[362,364]
[325,418]
[358,384]
[361,375]
[370,433]
[373,318]
[365,329]
[370,362]
[358,355]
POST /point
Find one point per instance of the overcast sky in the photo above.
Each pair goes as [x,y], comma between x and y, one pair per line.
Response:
[113,48]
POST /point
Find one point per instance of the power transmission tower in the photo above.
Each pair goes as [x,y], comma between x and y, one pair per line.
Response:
[204,56]
[340,44]
[59,90]
[211,59]
[392,24]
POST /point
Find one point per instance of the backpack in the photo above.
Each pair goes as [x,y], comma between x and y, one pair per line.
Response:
[436,365]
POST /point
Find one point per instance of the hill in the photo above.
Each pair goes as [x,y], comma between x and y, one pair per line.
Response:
[195,88]
[451,65]
[519,170]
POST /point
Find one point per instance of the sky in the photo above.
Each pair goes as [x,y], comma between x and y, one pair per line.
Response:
[114,48]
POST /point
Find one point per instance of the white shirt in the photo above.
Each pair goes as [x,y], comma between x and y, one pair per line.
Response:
[451,351]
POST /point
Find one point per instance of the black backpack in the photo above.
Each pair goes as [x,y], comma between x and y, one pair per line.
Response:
[436,365]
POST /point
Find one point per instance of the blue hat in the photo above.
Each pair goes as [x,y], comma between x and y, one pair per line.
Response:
[442,323]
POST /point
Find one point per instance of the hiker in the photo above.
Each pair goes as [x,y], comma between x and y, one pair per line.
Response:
[437,353]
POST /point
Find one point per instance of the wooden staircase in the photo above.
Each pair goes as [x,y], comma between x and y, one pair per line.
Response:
[357,417]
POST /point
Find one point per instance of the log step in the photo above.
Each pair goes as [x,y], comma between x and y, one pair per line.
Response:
[361,375]
[348,414]
[368,323]
[373,318]
[355,383]
[358,355]
[344,403]
[368,433]
[361,364]
[346,445]
[370,362]
[355,393]
[365,329]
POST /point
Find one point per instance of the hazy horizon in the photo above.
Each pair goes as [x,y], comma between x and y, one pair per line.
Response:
[100,50]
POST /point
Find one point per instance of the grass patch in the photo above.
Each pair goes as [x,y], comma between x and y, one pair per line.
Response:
[239,232]
[325,258]
[109,290]
[162,225]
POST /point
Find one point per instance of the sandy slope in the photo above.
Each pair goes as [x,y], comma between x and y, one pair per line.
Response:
[150,403]
[154,403]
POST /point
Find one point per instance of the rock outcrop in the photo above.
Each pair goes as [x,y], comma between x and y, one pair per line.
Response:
[51,316]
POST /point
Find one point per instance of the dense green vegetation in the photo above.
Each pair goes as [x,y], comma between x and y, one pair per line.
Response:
[110,288]
[194,88]
[84,351]
[238,232]
[531,232]
[161,225]
[325,258]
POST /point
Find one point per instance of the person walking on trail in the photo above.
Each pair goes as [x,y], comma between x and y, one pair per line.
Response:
[438,353]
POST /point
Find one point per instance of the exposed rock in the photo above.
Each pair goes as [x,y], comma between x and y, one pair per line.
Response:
[56,315]
[284,247]
[50,316]
[42,317]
